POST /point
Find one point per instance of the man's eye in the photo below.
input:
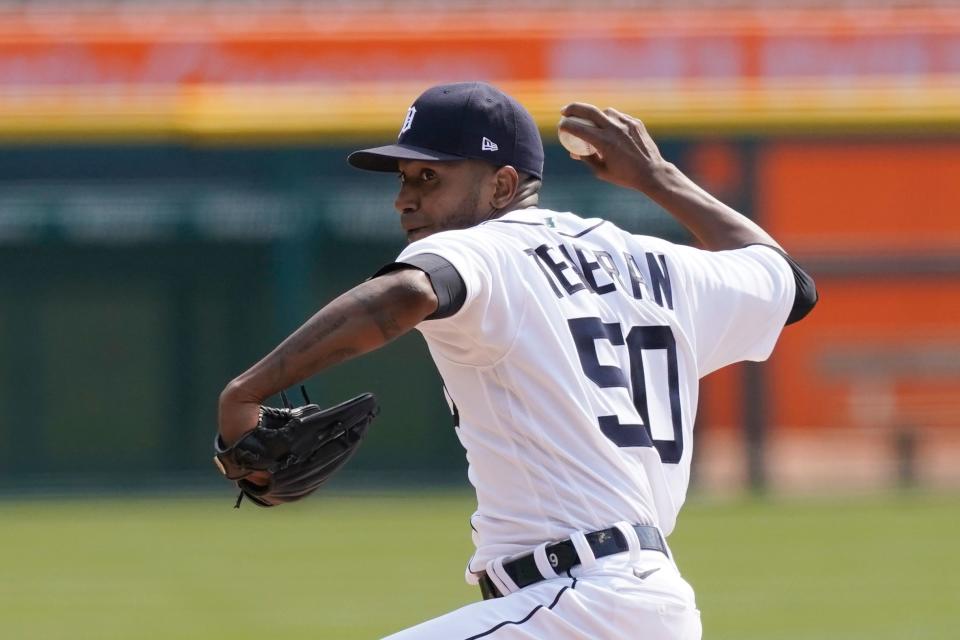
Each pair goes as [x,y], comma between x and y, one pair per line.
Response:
[427,175]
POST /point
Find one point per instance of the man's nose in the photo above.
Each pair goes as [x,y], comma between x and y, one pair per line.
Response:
[406,201]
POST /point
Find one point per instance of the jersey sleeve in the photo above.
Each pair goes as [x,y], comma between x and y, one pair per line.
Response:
[484,323]
[467,256]
[735,302]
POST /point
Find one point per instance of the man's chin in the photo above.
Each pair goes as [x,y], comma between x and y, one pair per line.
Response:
[419,234]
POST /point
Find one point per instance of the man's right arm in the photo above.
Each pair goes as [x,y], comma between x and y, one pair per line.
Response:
[628,157]
[363,319]
[715,225]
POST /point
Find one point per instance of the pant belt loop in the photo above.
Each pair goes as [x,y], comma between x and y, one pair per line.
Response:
[500,578]
[633,541]
[579,540]
[543,562]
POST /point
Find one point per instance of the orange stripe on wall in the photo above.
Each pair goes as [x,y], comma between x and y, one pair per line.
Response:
[835,367]
[843,196]
[152,45]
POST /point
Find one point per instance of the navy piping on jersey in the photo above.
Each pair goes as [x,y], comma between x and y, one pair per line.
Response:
[528,616]
[540,224]
[582,233]
[529,224]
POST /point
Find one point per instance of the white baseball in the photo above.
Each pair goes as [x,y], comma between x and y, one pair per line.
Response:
[573,144]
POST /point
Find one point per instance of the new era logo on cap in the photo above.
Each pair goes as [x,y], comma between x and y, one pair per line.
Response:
[488,145]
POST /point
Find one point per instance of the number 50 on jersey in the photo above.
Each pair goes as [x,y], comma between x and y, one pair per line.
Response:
[637,340]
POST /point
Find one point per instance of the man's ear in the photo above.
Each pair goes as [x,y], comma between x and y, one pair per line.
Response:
[507,181]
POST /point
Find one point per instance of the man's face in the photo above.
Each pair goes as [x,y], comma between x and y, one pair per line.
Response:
[437,196]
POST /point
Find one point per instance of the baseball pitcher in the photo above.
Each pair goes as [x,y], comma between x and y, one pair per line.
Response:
[570,352]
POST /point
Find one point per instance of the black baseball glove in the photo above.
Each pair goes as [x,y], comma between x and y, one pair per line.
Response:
[300,446]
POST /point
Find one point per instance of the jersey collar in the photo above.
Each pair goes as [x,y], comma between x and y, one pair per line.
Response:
[532,214]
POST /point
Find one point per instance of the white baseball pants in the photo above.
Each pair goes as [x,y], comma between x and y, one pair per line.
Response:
[637,595]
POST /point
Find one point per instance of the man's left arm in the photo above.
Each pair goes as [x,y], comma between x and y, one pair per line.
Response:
[361,320]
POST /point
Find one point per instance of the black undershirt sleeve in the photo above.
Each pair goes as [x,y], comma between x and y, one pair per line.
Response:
[444,278]
[806,296]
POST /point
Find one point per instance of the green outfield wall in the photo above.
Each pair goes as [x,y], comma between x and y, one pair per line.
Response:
[137,280]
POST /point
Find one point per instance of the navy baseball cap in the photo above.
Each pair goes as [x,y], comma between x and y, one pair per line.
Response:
[459,121]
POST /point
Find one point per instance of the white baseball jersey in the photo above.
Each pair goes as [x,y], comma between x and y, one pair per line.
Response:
[573,367]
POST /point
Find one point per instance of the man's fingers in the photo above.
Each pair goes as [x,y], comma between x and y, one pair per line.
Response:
[613,114]
[587,112]
[593,161]
[591,134]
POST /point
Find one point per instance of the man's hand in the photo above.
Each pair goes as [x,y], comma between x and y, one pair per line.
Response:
[239,415]
[626,154]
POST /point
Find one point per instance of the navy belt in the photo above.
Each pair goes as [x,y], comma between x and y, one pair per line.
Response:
[563,556]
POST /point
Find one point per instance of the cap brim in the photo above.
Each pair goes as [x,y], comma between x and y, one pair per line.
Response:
[385,158]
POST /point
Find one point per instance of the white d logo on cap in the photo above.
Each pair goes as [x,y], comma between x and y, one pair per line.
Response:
[408,121]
